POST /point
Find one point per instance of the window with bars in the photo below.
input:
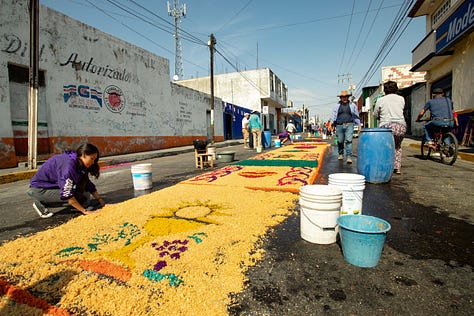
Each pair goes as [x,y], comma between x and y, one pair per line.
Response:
[440,12]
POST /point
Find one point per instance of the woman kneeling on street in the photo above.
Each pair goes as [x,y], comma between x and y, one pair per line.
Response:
[65,178]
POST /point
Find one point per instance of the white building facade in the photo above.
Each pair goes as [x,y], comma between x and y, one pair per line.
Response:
[447,54]
[93,88]
[257,90]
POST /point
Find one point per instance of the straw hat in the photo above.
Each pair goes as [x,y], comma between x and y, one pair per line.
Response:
[345,93]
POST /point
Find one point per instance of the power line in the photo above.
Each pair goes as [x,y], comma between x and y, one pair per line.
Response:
[366,36]
[264,28]
[138,33]
[389,42]
[236,15]
[359,33]
[347,36]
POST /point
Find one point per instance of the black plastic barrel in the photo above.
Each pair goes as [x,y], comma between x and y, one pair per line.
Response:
[375,154]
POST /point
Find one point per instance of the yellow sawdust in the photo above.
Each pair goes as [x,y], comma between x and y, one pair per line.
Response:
[210,270]
[219,228]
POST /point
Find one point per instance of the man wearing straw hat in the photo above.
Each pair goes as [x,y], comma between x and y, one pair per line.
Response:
[344,116]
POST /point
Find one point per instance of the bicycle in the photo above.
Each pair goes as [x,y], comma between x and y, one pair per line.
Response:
[445,144]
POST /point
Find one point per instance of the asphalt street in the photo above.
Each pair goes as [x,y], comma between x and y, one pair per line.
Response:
[426,264]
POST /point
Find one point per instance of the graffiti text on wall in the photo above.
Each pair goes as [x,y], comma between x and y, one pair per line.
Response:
[14,45]
[82,97]
[96,69]
[184,114]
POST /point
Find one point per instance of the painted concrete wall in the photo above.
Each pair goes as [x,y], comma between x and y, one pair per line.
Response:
[463,75]
[418,101]
[98,89]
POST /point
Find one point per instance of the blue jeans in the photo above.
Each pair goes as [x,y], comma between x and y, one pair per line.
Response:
[344,135]
[432,126]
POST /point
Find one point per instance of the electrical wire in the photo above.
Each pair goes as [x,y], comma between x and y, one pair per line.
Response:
[264,28]
[366,36]
[138,33]
[388,43]
[187,36]
[347,37]
[253,84]
[236,15]
[359,33]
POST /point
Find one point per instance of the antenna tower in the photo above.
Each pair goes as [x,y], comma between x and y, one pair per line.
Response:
[177,12]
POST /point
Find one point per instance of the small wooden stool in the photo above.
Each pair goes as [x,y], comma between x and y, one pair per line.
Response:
[202,158]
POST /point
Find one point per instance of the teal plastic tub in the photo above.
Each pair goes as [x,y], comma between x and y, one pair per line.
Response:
[362,239]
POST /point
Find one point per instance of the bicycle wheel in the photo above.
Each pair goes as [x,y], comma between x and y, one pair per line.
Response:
[425,150]
[448,148]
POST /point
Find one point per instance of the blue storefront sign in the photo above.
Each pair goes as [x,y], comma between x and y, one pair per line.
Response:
[459,23]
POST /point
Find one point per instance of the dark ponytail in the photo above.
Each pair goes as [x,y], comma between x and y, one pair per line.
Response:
[89,149]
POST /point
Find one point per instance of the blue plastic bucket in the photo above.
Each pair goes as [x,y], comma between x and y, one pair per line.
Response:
[267,139]
[277,143]
[376,154]
[362,239]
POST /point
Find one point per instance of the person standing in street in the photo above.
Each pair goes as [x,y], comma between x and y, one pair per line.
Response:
[441,114]
[344,116]
[290,128]
[389,113]
[245,129]
[255,126]
[64,178]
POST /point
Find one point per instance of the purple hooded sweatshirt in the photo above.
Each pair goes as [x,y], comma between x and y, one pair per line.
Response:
[62,172]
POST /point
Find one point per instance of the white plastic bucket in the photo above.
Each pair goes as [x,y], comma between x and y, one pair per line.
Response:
[141,175]
[259,149]
[320,207]
[352,186]
[212,150]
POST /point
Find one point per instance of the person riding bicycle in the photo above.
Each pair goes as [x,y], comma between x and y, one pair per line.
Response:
[441,114]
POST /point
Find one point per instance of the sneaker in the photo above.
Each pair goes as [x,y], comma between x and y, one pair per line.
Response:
[340,157]
[41,210]
[349,160]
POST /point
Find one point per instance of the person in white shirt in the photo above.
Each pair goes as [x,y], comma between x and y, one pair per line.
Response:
[245,129]
[389,112]
[291,129]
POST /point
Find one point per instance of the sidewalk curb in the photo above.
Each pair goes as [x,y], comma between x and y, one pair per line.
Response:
[17,176]
[115,160]
[463,156]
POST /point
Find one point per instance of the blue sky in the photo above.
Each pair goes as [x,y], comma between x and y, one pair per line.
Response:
[312,45]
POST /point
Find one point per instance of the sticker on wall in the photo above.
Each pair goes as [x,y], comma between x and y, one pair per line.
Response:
[113,99]
[82,97]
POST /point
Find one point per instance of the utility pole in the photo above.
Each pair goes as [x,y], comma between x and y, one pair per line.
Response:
[177,12]
[33,85]
[348,77]
[211,43]
[304,119]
